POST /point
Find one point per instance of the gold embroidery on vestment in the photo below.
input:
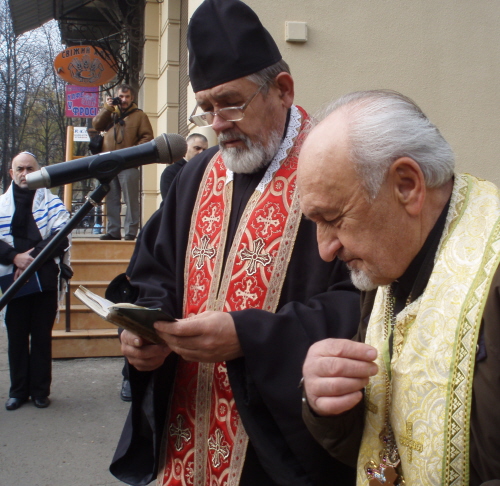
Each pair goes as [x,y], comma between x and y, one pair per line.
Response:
[408,441]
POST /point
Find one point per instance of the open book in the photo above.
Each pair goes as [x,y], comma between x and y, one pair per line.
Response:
[134,318]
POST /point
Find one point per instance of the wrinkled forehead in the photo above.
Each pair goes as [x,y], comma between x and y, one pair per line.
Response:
[324,166]
[24,161]
[325,148]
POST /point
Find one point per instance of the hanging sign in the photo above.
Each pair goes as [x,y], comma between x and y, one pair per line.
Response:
[80,134]
[82,102]
[85,66]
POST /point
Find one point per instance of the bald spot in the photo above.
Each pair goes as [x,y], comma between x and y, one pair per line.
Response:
[324,166]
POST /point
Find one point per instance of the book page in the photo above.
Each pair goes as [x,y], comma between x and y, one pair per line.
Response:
[137,319]
[98,304]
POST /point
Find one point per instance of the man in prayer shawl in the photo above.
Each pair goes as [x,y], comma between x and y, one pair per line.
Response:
[230,256]
[29,219]
[423,244]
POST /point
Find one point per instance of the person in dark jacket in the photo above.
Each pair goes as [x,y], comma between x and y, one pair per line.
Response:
[196,144]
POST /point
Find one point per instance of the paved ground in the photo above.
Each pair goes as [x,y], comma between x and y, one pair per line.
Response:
[71,443]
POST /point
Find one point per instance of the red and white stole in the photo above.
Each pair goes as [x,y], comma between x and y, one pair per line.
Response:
[204,441]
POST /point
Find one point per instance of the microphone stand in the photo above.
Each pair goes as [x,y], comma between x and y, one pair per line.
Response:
[93,200]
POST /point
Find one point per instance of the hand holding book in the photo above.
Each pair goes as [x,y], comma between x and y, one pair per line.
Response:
[136,319]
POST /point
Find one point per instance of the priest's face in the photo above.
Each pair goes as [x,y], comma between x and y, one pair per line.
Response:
[22,165]
[251,143]
[374,238]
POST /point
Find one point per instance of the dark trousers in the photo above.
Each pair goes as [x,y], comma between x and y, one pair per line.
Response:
[31,363]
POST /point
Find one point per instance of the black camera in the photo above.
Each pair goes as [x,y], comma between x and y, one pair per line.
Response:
[116,101]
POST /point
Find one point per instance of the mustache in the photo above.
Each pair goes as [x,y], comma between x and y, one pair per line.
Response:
[344,255]
[232,135]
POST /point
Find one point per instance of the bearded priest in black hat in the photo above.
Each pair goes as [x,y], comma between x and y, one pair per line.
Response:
[230,256]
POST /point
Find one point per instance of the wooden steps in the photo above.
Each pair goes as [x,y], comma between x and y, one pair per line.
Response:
[95,263]
[89,343]
[88,269]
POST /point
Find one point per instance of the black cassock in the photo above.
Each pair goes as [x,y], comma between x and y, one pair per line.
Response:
[317,301]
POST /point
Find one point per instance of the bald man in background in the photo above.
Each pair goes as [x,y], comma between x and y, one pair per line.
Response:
[29,219]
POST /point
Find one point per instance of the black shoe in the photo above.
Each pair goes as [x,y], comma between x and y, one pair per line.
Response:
[14,403]
[129,237]
[107,236]
[41,402]
[126,393]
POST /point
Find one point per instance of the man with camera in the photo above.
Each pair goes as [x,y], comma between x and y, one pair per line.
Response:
[125,125]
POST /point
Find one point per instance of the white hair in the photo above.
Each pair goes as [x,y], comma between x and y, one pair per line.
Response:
[383,126]
[267,76]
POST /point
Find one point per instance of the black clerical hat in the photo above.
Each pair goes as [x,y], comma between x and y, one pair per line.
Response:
[227,41]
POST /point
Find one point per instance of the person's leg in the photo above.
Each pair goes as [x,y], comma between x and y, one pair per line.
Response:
[125,369]
[113,208]
[42,321]
[130,184]
[126,391]
[17,322]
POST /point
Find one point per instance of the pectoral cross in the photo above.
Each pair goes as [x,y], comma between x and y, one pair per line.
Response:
[385,475]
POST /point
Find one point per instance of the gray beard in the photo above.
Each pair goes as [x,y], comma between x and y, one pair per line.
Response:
[253,157]
[361,281]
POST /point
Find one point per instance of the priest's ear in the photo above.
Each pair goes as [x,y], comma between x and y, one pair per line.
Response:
[284,83]
[408,184]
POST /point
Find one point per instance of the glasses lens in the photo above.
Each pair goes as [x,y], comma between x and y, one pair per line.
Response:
[207,119]
[203,119]
[231,114]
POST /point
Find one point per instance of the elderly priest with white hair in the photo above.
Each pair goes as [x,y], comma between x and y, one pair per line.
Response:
[417,395]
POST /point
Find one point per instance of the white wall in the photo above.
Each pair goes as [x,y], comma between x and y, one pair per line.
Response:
[442,53]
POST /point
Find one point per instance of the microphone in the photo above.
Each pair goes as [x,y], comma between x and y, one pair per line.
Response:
[165,149]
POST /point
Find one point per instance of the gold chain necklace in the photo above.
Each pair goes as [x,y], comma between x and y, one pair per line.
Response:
[386,472]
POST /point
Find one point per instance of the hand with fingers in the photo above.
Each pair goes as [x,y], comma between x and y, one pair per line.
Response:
[209,337]
[335,372]
[22,261]
[141,354]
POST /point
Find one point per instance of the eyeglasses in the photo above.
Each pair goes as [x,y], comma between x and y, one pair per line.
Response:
[231,114]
